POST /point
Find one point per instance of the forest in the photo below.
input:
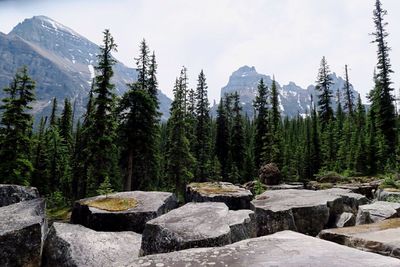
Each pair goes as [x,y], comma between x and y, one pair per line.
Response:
[121,144]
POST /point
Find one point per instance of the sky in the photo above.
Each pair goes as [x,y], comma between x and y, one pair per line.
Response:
[285,38]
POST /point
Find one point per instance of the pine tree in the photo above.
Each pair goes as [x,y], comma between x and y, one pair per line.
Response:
[276,144]
[202,150]
[53,116]
[324,82]
[383,99]
[40,175]
[261,121]
[15,154]
[103,156]
[66,125]
[138,127]
[238,142]
[222,140]
[348,94]
[180,159]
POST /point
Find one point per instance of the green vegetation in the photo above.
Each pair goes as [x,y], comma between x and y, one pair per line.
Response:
[113,203]
[120,143]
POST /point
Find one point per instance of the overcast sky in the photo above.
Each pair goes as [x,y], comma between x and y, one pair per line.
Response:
[286,38]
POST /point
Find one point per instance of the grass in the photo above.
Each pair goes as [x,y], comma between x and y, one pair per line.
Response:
[113,203]
[212,188]
[59,214]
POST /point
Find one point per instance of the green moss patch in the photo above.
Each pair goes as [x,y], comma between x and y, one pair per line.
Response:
[113,204]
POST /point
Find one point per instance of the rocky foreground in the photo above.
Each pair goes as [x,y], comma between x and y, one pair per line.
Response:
[220,225]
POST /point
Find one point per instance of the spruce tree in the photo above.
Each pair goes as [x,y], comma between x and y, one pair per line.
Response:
[202,150]
[261,122]
[238,142]
[66,125]
[276,143]
[349,105]
[138,127]
[324,82]
[222,140]
[180,159]
[15,154]
[103,155]
[383,99]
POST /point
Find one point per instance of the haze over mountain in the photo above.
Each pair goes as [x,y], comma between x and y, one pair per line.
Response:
[61,61]
[293,99]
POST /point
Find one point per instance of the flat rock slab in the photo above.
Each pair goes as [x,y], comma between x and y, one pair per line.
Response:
[377,211]
[23,227]
[304,211]
[206,224]
[11,194]
[233,196]
[283,249]
[366,189]
[149,206]
[75,245]
[382,237]
[392,195]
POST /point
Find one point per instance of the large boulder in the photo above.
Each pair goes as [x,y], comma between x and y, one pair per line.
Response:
[366,189]
[204,224]
[377,211]
[304,211]
[146,206]
[233,196]
[351,201]
[388,194]
[23,227]
[282,249]
[382,237]
[270,174]
[75,246]
[11,194]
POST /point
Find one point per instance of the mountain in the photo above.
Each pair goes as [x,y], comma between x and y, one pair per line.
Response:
[293,99]
[61,61]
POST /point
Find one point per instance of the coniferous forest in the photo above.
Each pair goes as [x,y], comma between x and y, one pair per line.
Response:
[122,144]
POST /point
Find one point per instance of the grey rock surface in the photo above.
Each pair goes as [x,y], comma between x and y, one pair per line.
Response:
[77,246]
[233,196]
[345,219]
[206,224]
[150,205]
[283,249]
[23,227]
[11,194]
[388,194]
[377,211]
[382,237]
[304,211]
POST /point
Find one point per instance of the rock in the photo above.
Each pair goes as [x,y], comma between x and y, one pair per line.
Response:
[314,185]
[149,206]
[388,194]
[11,194]
[233,196]
[351,200]
[23,227]
[345,219]
[304,211]
[330,177]
[206,224]
[382,237]
[75,245]
[281,249]
[269,174]
[366,189]
[377,211]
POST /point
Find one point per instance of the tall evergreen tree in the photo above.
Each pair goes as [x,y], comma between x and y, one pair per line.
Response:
[383,99]
[15,153]
[202,150]
[324,82]
[66,125]
[349,104]
[222,139]
[180,159]
[238,142]
[261,122]
[103,157]
[276,143]
[138,126]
